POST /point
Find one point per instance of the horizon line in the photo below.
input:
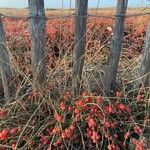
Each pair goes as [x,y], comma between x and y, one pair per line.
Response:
[69,8]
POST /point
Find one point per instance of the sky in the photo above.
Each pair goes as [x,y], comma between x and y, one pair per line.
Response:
[58,3]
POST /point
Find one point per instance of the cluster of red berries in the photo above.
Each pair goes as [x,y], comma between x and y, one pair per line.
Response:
[90,118]
[100,117]
[6,134]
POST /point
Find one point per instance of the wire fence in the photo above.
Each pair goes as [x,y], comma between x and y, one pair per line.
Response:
[73,15]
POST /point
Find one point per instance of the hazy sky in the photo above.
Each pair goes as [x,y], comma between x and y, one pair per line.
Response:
[58,3]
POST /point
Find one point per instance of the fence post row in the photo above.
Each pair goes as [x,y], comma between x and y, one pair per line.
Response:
[145,64]
[111,72]
[80,43]
[5,65]
[37,28]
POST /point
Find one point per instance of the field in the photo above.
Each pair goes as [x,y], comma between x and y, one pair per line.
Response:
[52,119]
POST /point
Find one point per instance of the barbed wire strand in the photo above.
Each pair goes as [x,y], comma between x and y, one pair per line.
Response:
[47,18]
[72,15]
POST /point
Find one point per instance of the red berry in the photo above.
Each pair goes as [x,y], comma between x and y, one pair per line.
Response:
[72,127]
[20,129]
[62,106]
[88,100]
[84,94]
[59,118]
[13,146]
[91,123]
[139,98]
[4,134]
[121,107]
[56,130]
[118,94]
[31,142]
[107,124]
[134,141]
[70,109]
[13,131]
[62,146]
[95,137]
[109,109]
[63,135]
[77,111]
[126,136]
[77,117]
[138,130]
[55,144]
[67,95]
[79,103]
[99,100]
[30,97]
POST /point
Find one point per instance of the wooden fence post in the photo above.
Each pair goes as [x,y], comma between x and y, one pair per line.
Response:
[145,64]
[111,72]
[5,65]
[37,27]
[80,43]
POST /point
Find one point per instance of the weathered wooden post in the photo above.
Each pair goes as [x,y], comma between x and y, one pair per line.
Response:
[145,64]
[37,27]
[111,72]
[5,65]
[80,43]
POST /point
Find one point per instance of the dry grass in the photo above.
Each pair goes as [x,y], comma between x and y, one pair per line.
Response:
[34,111]
[107,11]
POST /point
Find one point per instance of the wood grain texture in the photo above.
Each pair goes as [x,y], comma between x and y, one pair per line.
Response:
[80,43]
[5,65]
[145,64]
[111,72]
[37,28]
